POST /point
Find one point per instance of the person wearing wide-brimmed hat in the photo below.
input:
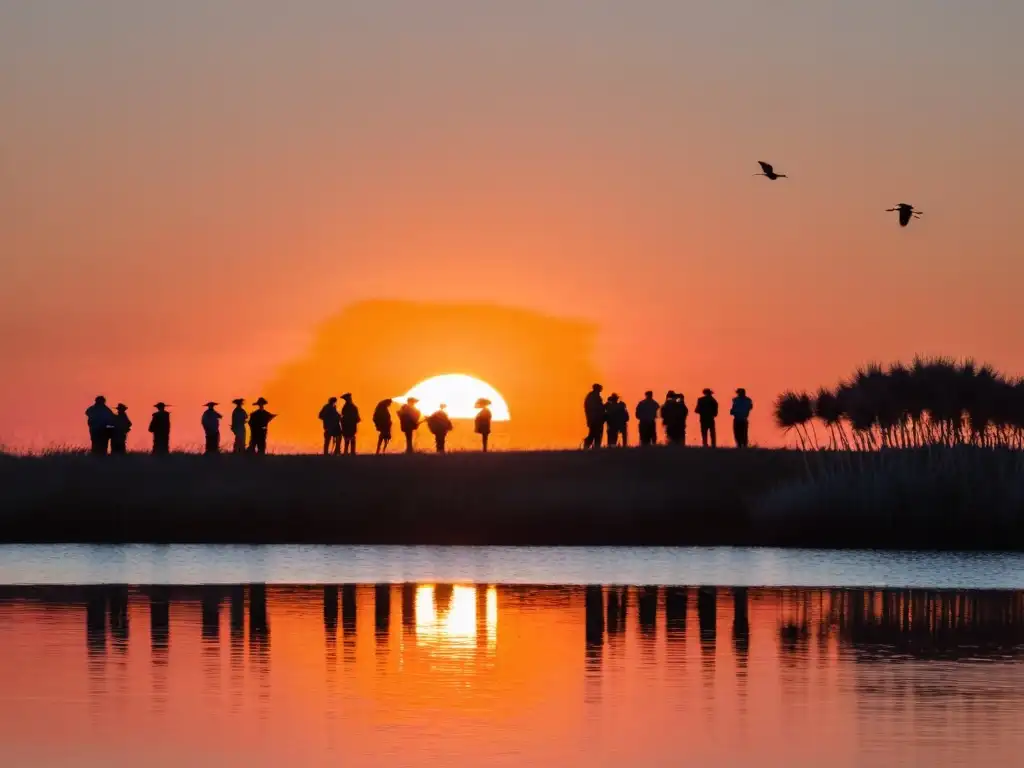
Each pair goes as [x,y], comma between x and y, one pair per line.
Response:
[239,418]
[122,426]
[409,419]
[350,419]
[211,427]
[482,423]
[331,420]
[382,421]
[160,428]
[740,412]
[259,421]
[100,420]
[707,410]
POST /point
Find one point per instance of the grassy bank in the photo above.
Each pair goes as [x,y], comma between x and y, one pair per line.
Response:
[660,496]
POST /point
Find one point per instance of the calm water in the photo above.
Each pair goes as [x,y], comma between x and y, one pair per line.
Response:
[420,671]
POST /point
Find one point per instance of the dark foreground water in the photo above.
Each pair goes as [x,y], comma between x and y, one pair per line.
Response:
[417,671]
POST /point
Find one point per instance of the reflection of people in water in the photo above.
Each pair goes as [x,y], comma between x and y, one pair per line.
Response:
[382,422]
[409,421]
[332,426]
[482,425]
[122,426]
[259,422]
[349,423]
[160,427]
[439,425]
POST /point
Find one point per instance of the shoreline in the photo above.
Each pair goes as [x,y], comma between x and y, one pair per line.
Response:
[659,496]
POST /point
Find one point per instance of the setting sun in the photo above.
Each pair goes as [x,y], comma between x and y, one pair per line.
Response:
[460,393]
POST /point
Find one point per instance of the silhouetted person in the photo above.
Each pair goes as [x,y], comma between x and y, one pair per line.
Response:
[382,423]
[707,410]
[100,419]
[160,427]
[673,415]
[409,419]
[122,426]
[239,418]
[211,427]
[616,416]
[647,419]
[439,425]
[259,421]
[740,412]
[350,419]
[593,410]
[332,426]
[482,423]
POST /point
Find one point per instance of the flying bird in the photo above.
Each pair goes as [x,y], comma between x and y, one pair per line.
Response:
[906,213]
[767,170]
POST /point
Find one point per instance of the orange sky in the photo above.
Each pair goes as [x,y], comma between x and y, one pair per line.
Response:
[188,192]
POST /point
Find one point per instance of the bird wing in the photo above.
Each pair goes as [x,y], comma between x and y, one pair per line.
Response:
[766,167]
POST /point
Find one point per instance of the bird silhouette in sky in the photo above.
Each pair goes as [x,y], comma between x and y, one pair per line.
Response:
[906,213]
[767,170]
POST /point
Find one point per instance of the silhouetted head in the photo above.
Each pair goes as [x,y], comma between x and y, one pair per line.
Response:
[261,402]
[597,388]
[385,403]
[613,398]
[707,391]
[121,407]
[239,401]
[332,399]
[212,404]
[482,402]
[649,394]
[442,407]
[347,397]
[412,400]
[741,392]
[160,406]
[671,395]
[100,400]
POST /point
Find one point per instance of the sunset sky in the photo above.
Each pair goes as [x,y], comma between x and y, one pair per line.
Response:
[189,190]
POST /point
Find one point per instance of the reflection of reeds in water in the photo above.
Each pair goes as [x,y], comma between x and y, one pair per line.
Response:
[878,624]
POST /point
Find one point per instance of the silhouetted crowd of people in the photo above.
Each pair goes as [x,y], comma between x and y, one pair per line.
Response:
[611,418]
[605,420]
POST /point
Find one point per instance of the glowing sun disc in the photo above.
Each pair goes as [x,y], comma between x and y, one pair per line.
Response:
[460,393]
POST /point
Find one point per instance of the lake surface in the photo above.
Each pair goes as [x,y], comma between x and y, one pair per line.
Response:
[420,663]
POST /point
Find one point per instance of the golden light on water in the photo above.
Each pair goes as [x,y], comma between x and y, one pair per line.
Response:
[454,626]
[460,393]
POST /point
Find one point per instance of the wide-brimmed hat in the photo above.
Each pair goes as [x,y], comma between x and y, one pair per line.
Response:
[238,401]
[122,407]
[707,391]
[741,391]
[262,401]
[347,396]
[482,402]
[160,405]
[211,404]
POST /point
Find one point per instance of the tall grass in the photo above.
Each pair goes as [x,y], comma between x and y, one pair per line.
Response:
[931,402]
